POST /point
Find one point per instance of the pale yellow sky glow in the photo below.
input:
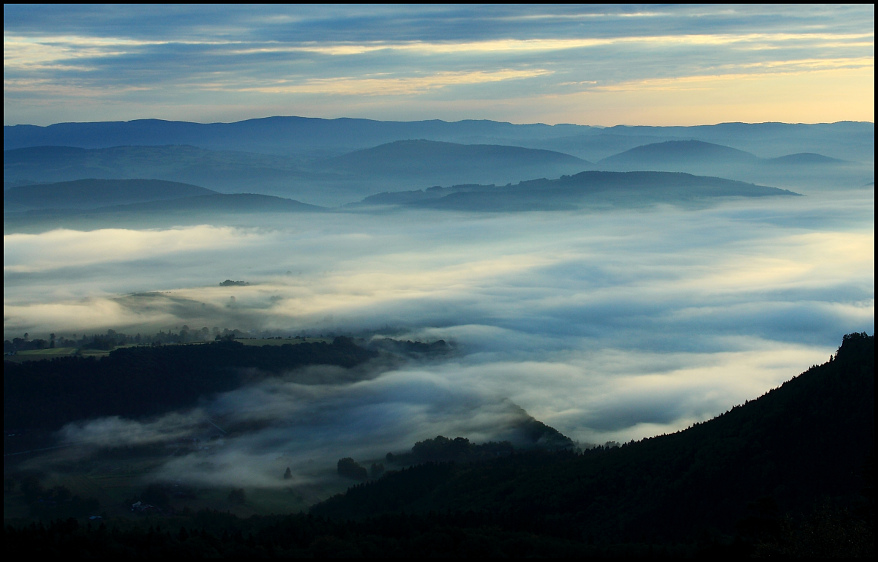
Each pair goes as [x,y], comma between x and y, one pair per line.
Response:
[719,63]
[818,95]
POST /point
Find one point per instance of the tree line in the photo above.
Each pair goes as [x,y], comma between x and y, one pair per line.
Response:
[149,380]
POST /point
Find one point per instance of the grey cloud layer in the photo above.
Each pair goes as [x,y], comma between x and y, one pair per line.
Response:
[165,55]
[358,23]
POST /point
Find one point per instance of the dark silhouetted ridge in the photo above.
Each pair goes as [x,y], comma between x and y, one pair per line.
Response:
[808,440]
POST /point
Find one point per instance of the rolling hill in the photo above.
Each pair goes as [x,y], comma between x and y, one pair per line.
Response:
[421,163]
[671,155]
[797,171]
[94,193]
[439,159]
[806,158]
[788,451]
[275,135]
[211,208]
[585,189]
[341,179]
[285,135]
[223,170]
[338,161]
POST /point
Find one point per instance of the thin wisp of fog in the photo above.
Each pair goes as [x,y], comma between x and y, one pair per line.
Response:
[610,324]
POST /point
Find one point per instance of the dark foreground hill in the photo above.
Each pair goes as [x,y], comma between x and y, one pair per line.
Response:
[788,475]
[804,445]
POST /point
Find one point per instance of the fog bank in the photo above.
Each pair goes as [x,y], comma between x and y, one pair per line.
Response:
[611,325]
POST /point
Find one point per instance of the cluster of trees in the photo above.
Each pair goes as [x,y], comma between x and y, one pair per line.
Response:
[49,393]
[349,468]
[802,449]
[56,502]
[231,283]
[113,339]
[212,534]
[443,449]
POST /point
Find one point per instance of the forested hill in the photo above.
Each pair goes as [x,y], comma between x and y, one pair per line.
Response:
[804,443]
[93,193]
[788,475]
[589,188]
[47,394]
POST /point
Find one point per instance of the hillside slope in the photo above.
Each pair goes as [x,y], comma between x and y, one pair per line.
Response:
[94,193]
[801,444]
[585,189]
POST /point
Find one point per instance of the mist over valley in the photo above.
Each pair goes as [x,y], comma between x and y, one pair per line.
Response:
[611,305]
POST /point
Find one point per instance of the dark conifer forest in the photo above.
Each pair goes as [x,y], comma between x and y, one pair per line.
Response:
[788,474]
[148,380]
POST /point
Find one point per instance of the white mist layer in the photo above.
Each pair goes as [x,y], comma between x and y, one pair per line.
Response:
[607,326]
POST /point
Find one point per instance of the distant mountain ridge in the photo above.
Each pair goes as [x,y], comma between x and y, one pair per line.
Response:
[408,163]
[278,134]
[805,158]
[200,208]
[705,158]
[420,155]
[333,162]
[183,163]
[676,152]
[289,134]
[400,164]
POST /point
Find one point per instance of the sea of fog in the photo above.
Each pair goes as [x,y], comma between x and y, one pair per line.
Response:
[607,325]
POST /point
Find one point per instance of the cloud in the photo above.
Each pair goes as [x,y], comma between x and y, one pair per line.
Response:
[154,61]
[118,432]
[30,253]
[614,325]
[248,436]
[384,85]
[536,274]
[245,437]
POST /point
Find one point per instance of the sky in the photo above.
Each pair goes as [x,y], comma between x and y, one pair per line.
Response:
[582,64]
